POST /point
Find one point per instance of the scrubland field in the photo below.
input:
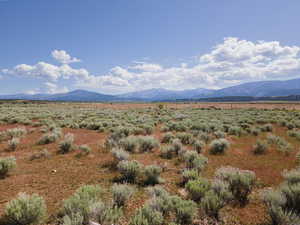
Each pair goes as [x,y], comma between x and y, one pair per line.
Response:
[149,164]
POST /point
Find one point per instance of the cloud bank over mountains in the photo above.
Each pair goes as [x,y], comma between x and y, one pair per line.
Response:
[231,62]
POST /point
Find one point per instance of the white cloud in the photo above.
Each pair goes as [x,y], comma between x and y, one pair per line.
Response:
[231,62]
[54,89]
[63,57]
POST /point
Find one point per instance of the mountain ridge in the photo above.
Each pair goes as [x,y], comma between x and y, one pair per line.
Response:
[251,89]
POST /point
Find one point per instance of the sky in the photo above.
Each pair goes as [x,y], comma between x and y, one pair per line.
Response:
[119,46]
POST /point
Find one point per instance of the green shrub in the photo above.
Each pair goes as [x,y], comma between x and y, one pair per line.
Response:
[13,144]
[218,146]
[26,210]
[167,152]
[50,137]
[81,201]
[240,182]
[292,176]
[198,146]
[147,216]
[67,144]
[185,138]
[42,154]
[197,188]
[267,128]
[185,210]
[298,158]
[177,146]
[152,173]
[119,154]
[130,170]
[121,193]
[84,150]
[167,138]
[237,131]
[130,144]
[219,134]
[147,143]
[6,165]
[103,214]
[189,174]
[16,132]
[195,161]
[260,147]
[75,219]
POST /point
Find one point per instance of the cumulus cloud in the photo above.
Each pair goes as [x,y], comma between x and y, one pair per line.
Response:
[52,88]
[231,62]
[63,57]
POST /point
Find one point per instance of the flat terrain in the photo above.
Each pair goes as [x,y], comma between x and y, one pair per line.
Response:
[57,177]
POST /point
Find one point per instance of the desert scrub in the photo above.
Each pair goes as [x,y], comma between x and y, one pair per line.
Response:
[298,158]
[66,145]
[198,146]
[215,199]
[16,132]
[234,130]
[25,210]
[50,137]
[42,154]
[197,188]
[194,160]
[218,146]
[189,174]
[119,155]
[130,170]
[147,216]
[130,144]
[219,134]
[80,203]
[185,138]
[6,165]
[152,173]
[84,150]
[121,193]
[240,182]
[260,147]
[167,152]
[167,138]
[103,214]
[267,128]
[147,143]
[184,210]
[13,144]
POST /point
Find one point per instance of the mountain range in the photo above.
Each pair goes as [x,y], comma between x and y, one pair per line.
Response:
[251,89]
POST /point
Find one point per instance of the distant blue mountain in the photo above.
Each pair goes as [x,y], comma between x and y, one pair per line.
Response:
[252,89]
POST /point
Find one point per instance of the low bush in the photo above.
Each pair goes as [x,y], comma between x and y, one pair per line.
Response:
[167,138]
[13,144]
[260,147]
[198,146]
[147,143]
[26,210]
[120,155]
[185,138]
[218,146]
[66,145]
[121,193]
[240,182]
[130,170]
[167,152]
[197,188]
[194,160]
[50,137]
[81,201]
[184,210]
[152,173]
[6,165]
[147,216]
[42,154]
[130,144]
[84,150]
[189,174]
[100,213]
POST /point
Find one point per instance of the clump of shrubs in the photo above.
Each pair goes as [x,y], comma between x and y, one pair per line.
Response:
[194,160]
[13,144]
[130,170]
[197,188]
[283,203]
[50,137]
[198,146]
[121,193]
[66,145]
[6,165]
[42,154]
[130,144]
[25,210]
[260,147]
[218,146]
[152,173]
[172,150]
[167,138]
[119,155]
[84,150]
[185,138]
[240,182]
[147,143]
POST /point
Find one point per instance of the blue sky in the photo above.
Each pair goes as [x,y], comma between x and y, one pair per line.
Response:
[117,46]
